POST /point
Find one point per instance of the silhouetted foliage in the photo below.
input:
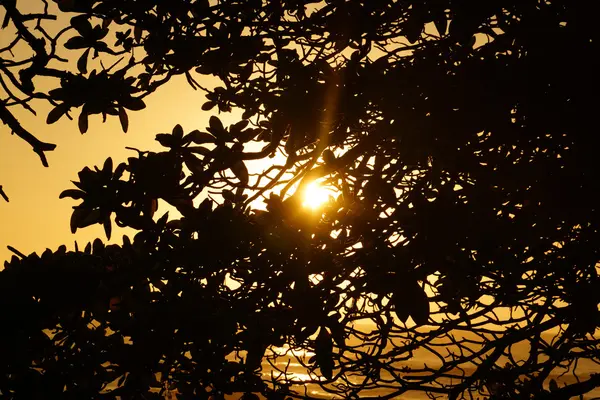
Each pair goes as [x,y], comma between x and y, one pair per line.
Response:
[459,136]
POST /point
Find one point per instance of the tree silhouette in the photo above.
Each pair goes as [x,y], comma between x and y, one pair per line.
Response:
[458,136]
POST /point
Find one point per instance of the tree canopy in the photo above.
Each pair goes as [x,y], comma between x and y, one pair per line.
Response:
[456,135]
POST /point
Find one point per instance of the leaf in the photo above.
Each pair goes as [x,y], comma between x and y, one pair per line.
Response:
[255,355]
[83,217]
[78,214]
[199,150]
[162,221]
[178,132]
[107,167]
[82,62]
[248,135]
[97,246]
[412,29]
[119,171]
[152,207]
[228,195]
[328,157]
[72,193]
[238,127]
[441,23]
[56,113]
[326,366]
[123,119]
[137,33]
[419,305]
[246,72]
[82,25]
[165,139]
[201,137]
[337,331]
[76,42]
[134,104]
[401,307]
[209,105]
[83,122]
[462,28]
[216,125]
[106,23]
[107,226]
[241,172]
[194,164]
[324,353]
[66,5]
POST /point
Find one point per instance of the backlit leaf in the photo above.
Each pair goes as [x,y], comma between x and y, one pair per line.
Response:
[55,114]
[83,122]
[241,172]
[123,119]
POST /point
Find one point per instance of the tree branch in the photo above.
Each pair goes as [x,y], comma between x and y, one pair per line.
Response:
[38,146]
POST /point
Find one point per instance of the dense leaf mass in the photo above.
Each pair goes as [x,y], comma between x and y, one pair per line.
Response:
[459,137]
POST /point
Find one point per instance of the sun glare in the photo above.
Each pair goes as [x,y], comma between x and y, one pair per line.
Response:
[315,195]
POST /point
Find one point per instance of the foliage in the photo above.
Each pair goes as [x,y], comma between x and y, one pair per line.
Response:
[458,136]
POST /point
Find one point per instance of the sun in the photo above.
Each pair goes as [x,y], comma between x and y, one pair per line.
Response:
[315,195]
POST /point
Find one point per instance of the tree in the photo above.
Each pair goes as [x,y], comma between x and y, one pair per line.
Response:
[457,135]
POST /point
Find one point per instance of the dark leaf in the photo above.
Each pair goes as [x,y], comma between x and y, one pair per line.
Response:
[82,25]
[441,23]
[107,167]
[97,246]
[77,215]
[328,157]
[119,171]
[56,113]
[201,137]
[165,139]
[137,33]
[83,122]
[107,226]
[199,150]
[153,207]
[82,62]
[238,127]
[134,104]
[324,353]
[178,132]
[83,217]
[194,164]
[401,306]
[123,119]
[419,305]
[228,195]
[209,105]
[76,42]
[255,355]
[216,125]
[72,193]
[241,172]
[413,28]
